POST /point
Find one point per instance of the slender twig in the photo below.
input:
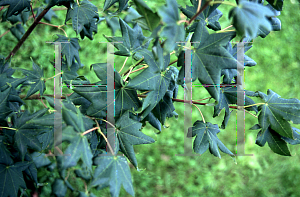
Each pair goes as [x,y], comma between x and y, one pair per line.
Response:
[90,130]
[57,9]
[173,62]
[128,74]
[124,64]
[200,112]
[99,130]
[8,128]
[199,5]
[32,10]
[222,2]
[139,69]
[59,27]
[251,114]
[54,76]
[129,69]
[27,33]
[4,33]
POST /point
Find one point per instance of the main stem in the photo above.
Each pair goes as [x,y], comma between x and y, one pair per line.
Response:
[27,33]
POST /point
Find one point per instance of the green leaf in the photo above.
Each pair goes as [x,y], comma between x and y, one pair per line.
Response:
[153,78]
[15,6]
[47,16]
[172,31]
[276,112]
[209,59]
[132,40]
[82,15]
[274,140]
[296,139]
[206,137]
[59,188]
[37,78]
[210,14]
[66,3]
[78,148]
[26,134]
[277,4]
[18,31]
[12,178]
[129,134]
[4,108]
[249,16]
[149,19]
[275,22]
[112,171]
[69,50]
[109,3]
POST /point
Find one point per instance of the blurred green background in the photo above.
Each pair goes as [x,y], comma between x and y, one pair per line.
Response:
[162,173]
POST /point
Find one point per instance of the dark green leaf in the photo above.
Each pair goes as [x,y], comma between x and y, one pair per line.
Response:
[172,31]
[36,79]
[149,19]
[206,137]
[82,15]
[12,178]
[274,140]
[277,4]
[26,134]
[79,148]
[276,112]
[69,50]
[113,171]
[47,16]
[132,40]
[211,14]
[209,59]
[109,3]
[18,31]
[15,6]
[129,134]
[155,78]
[249,16]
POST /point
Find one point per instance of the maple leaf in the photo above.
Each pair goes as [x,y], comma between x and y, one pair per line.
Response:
[172,31]
[132,40]
[15,6]
[36,79]
[12,178]
[112,171]
[82,15]
[4,108]
[249,16]
[276,112]
[209,59]
[129,134]
[149,19]
[79,148]
[275,141]
[210,14]
[276,4]
[206,137]
[122,5]
[26,134]
[69,50]
[155,77]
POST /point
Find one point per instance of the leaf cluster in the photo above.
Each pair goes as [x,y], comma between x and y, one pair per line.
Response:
[28,139]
